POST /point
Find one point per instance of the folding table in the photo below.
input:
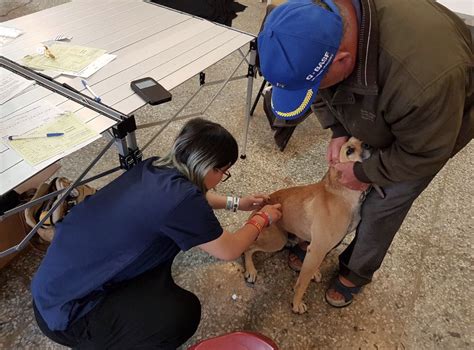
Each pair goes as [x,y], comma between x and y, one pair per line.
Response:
[148,39]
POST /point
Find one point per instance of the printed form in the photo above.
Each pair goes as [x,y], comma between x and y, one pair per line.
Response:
[42,119]
[11,85]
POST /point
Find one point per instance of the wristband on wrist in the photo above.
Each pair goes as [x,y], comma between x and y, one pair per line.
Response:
[235,204]
[229,202]
[232,203]
[270,219]
[266,217]
[256,224]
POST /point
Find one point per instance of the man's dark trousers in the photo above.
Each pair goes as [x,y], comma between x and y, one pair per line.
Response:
[380,220]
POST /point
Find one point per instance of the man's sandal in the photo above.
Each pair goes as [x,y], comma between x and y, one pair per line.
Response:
[296,256]
[347,292]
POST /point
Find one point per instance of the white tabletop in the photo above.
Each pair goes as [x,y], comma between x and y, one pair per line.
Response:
[464,8]
[460,6]
[149,40]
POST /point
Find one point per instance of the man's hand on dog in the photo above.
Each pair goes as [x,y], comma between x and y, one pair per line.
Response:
[334,148]
[347,177]
[249,203]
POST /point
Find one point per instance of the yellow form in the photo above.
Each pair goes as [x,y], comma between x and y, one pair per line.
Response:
[37,150]
[64,58]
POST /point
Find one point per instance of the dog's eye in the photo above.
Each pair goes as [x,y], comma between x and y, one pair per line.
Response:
[366,146]
[349,151]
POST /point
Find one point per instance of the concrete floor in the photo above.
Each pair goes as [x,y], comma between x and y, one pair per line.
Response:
[421,298]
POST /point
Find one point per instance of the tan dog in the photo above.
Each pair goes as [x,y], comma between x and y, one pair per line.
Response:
[322,213]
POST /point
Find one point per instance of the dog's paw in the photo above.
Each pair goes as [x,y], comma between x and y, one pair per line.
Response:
[317,277]
[300,308]
[250,276]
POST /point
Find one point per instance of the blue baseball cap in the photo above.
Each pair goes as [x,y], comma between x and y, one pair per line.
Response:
[296,47]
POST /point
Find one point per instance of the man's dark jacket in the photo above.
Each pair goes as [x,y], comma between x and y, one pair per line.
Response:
[411,94]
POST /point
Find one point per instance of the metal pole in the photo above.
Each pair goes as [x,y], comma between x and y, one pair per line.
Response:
[25,240]
[250,76]
[223,86]
[170,120]
[62,89]
[53,194]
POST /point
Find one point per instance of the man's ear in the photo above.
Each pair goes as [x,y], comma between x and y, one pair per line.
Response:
[344,62]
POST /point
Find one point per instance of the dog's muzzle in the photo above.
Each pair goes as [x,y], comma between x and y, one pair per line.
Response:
[366,151]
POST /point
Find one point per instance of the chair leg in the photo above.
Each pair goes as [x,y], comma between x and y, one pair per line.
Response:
[282,136]
[259,94]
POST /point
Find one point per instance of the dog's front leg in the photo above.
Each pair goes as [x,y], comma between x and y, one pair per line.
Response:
[311,263]
[250,270]
[272,239]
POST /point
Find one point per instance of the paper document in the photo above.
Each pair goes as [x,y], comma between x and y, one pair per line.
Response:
[7,34]
[10,32]
[37,150]
[28,119]
[11,84]
[65,58]
[94,66]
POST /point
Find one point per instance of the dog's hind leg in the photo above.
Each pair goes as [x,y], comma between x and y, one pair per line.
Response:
[311,263]
[271,239]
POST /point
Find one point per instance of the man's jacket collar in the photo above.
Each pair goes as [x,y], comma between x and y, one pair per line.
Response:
[363,79]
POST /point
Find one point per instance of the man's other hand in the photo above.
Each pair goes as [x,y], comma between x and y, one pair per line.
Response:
[347,177]
[334,148]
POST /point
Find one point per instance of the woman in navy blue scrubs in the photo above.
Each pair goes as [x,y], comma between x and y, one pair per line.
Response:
[105,282]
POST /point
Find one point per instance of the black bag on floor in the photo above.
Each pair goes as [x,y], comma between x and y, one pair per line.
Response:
[283,128]
[220,11]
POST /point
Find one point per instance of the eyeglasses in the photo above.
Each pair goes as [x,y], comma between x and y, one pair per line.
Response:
[226,174]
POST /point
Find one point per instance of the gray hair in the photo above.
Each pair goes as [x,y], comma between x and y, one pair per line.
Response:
[342,11]
[200,147]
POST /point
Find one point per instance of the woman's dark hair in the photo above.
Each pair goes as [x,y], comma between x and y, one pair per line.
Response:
[200,146]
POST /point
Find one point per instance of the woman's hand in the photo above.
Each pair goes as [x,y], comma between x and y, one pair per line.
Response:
[231,246]
[273,211]
[255,202]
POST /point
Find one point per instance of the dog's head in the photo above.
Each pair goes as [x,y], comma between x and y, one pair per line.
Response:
[354,150]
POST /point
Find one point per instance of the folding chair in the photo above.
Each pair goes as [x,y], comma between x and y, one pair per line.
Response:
[283,129]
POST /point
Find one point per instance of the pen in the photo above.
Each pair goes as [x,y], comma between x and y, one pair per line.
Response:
[97,98]
[50,134]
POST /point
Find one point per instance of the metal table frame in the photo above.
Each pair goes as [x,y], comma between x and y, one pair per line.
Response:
[123,133]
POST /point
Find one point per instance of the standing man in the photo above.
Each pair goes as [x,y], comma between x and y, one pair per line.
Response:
[397,75]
